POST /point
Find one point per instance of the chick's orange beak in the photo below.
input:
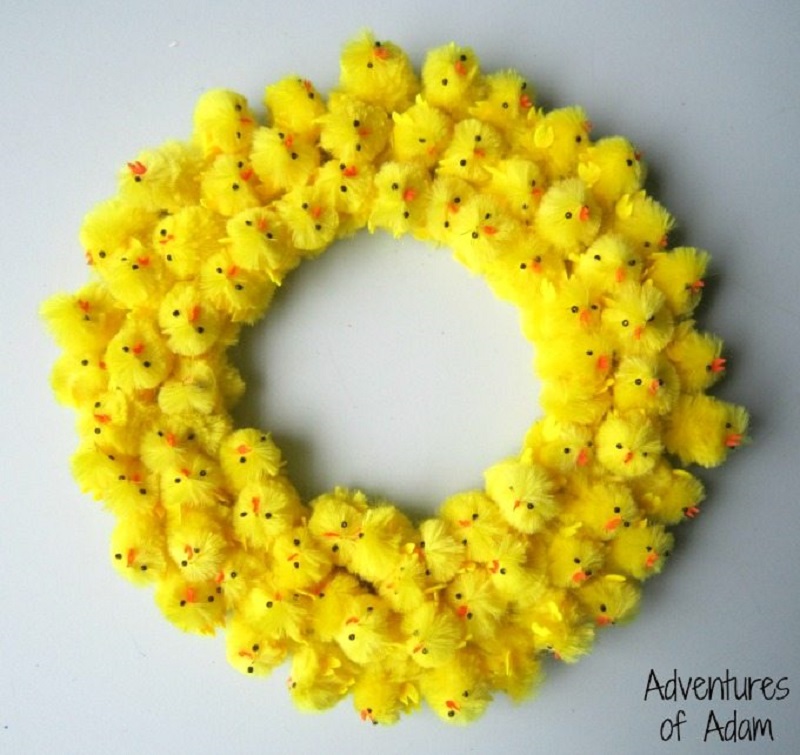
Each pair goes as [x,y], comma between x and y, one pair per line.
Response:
[583,457]
[628,457]
[525,102]
[733,440]
[655,384]
[584,213]
[651,560]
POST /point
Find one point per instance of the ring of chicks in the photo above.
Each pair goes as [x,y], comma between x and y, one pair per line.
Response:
[360,599]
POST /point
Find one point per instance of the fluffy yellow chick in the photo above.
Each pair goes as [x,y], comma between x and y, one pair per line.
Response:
[294,106]
[610,599]
[136,278]
[400,193]
[191,328]
[696,356]
[134,490]
[649,384]
[570,401]
[378,72]
[628,445]
[448,195]
[524,493]
[320,676]
[228,186]
[265,509]
[572,558]
[511,574]
[184,238]
[223,122]
[310,217]
[637,320]
[137,357]
[481,232]
[434,634]
[249,652]
[703,430]
[274,612]
[475,601]
[475,522]
[451,79]
[191,388]
[557,139]
[198,546]
[457,691]
[79,377]
[420,134]
[380,697]
[111,422]
[559,626]
[639,551]
[586,358]
[474,147]
[406,584]
[168,443]
[600,508]
[520,184]
[568,218]
[197,485]
[282,159]
[163,178]
[95,469]
[249,455]
[668,496]
[298,561]
[608,263]
[109,228]
[242,295]
[350,190]
[353,130]
[564,309]
[611,167]
[190,606]
[440,552]
[562,447]
[138,550]
[526,262]
[376,553]
[679,275]
[366,631]
[642,221]
[336,521]
[507,98]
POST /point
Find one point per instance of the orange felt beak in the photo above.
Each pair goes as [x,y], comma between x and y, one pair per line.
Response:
[350,171]
[579,576]
[409,195]
[584,213]
[603,620]
[651,560]
[692,512]
[628,457]
[583,457]
[194,313]
[717,365]
[697,286]
[733,440]
[525,102]
[381,53]
[131,557]
[166,239]
[138,348]
[612,524]
[243,449]
[655,384]
[585,316]
[637,333]
[602,362]
[452,705]
[170,439]
[662,242]
[462,611]
[619,274]
[137,168]
[461,69]
[246,174]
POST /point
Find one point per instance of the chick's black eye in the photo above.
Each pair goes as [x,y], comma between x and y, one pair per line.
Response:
[568,215]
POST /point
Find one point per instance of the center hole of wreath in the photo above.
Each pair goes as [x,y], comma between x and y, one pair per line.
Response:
[384,365]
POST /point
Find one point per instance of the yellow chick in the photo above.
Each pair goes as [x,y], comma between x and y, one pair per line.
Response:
[282,159]
[134,490]
[110,227]
[294,106]
[511,572]
[239,570]
[265,509]
[520,184]
[380,697]
[481,233]
[191,328]
[457,692]
[611,167]
[572,558]
[474,147]
[600,508]
[476,602]
[637,320]
[559,626]
[78,378]
[703,430]
[642,221]
[563,311]
[679,275]
[649,384]
[198,484]
[242,295]
[350,190]
[330,601]
[507,98]
[474,521]
[586,358]
[138,549]
[441,553]
[628,445]
[400,193]
[610,599]
[524,493]
[168,443]
[526,262]
[697,357]
[336,520]
[608,263]
[186,237]
[228,186]
[137,357]
[569,401]
[405,585]
[223,123]
[95,469]
[298,562]
[639,551]
[420,134]
[162,179]
[377,551]
[190,606]
[249,652]
[568,218]
[111,423]
[320,676]
[668,496]
[198,546]
[136,278]
[273,611]
[557,139]
[83,321]
[191,388]
[310,217]
[448,195]
[249,455]
[434,635]
[353,130]
[377,72]
[561,447]
[366,631]
[451,79]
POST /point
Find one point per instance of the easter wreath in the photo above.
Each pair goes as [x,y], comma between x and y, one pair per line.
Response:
[361,599]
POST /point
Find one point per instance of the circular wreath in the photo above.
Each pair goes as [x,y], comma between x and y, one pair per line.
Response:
[362,599]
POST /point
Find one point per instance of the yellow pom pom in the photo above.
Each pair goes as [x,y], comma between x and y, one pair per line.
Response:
[223,122]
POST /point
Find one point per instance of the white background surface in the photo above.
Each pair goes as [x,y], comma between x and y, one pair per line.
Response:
[385,365]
